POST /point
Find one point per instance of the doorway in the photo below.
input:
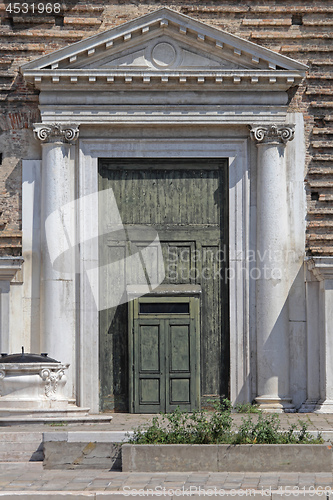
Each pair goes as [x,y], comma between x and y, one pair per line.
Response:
[186,202]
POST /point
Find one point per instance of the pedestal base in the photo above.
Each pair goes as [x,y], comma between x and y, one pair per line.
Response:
[276,404]
[308,406]
[34,412]
[33,416]
[324,406]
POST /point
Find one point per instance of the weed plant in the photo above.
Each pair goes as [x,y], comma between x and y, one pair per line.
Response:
[204,427]
[267,430]
[247,408]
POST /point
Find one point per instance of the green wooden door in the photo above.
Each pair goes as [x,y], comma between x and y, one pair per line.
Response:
[185,201]
[182,365]
[148,366]
[165,356]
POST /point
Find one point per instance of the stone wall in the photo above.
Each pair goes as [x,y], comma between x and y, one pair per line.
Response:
[299,29]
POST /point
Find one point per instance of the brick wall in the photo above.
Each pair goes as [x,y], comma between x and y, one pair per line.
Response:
[295,28]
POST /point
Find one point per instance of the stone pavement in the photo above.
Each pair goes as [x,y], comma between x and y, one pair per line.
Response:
[107,484]
[129,421]
[30,481]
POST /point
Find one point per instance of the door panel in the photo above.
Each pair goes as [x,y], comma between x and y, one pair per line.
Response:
[149,342]
[179,392]
[179,348]
[150,393]
[211,301]
[181,365]
[185,201]
[149,366]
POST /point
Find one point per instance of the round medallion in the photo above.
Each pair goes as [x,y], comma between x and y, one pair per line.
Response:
[163,54]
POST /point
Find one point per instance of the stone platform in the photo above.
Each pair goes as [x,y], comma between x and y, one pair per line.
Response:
[28,480]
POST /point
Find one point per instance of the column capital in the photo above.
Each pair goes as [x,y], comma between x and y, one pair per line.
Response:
[56,132]
[272,134]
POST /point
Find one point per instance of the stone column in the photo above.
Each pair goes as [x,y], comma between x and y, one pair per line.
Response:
[57,293]
[272,281]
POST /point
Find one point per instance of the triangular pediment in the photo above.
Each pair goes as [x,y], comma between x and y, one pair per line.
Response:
[163,45]
[163,52]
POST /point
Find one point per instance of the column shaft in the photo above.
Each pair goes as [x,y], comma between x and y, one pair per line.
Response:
[58,297]
[272,283]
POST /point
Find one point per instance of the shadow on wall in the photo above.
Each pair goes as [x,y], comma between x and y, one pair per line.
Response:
[297,338]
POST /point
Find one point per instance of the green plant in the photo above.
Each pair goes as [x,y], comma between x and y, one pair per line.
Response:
[203,427]
[246,408]
[267,430]
[200,427]
[264,430]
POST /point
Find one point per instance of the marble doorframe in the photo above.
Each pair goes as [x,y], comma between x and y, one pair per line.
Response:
[236,150]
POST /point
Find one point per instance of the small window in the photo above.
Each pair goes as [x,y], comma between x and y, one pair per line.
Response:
[297,19]
[164,308]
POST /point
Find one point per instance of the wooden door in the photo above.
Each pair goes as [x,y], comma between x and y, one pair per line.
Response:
[164,353]
[185,201]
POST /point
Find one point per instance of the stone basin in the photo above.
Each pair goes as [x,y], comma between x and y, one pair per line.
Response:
[34,384]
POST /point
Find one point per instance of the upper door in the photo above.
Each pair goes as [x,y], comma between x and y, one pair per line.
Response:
[185,201]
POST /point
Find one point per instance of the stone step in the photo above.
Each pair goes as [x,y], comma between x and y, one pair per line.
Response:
[74,411]
[83,449]
[17,447]
[21,437]
[21,466]
[87,436]
[21,447]
[34,455]
[71,419]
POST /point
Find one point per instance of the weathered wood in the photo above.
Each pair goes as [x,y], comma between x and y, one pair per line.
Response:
[185,201]
[165,354]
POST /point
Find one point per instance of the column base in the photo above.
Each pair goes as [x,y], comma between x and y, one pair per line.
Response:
[324,406]
[308,406]
[275,404]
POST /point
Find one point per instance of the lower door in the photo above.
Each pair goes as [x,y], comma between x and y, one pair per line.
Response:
[165,366]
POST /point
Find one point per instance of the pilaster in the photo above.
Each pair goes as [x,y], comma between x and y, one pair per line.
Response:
[322,270]
[8,268]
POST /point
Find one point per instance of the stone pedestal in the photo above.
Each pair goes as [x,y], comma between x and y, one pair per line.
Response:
[272,281]
[58,237]
[33,386]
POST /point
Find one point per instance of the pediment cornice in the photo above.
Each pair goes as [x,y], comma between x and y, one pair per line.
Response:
[161,50]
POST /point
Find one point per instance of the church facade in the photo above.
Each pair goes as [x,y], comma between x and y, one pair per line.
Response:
[165,177]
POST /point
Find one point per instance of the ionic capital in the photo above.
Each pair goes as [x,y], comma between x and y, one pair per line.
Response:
[272,134]
[55,132]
